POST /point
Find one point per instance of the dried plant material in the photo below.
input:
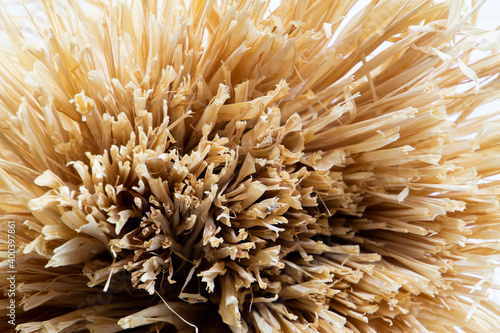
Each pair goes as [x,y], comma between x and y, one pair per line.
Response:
[236,166]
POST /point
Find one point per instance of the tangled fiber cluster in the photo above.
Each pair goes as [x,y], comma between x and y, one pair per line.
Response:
[250,166]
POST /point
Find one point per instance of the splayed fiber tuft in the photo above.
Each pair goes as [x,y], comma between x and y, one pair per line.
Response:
[248,166]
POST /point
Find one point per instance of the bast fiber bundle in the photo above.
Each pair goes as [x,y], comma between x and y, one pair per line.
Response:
[249,166]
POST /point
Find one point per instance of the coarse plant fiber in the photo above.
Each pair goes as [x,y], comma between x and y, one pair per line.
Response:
[231,166]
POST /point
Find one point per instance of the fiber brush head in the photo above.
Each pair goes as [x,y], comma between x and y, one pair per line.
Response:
[249,166]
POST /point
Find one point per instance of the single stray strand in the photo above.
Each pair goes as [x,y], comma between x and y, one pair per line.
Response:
[184,320]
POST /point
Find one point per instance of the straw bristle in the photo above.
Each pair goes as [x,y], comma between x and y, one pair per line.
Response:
[231,166]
